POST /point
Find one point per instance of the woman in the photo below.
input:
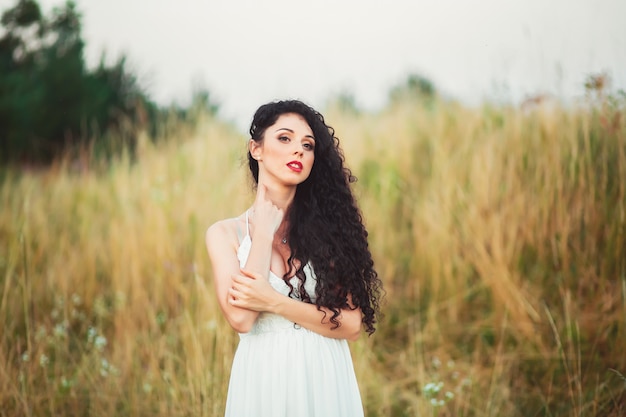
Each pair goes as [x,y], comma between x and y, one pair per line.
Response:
[293,274]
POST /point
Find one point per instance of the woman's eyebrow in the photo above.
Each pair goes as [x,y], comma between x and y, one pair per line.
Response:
[291,131]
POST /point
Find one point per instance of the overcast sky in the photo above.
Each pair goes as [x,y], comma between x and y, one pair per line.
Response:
[248,52]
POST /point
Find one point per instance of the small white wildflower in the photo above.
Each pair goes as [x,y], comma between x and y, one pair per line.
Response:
[100,342]
[76,300]
[25,357]
[449,395]
[43,360]
[104,367]
[147,388]
[66,383]
[441,403]
[60,330]
[436,362]
[433,402]
[91,334]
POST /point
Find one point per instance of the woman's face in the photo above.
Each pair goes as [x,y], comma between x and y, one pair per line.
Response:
[286,153]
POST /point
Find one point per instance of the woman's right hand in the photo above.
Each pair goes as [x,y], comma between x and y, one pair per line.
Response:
[266,216]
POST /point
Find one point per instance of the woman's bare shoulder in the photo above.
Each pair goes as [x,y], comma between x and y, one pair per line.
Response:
[225,230]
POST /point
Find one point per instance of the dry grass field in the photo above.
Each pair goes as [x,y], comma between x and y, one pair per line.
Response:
[499,233]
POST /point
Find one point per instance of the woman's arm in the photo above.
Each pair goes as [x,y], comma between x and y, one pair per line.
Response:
[222,244]
[251,291]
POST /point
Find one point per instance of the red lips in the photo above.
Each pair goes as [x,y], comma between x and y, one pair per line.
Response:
[295,166]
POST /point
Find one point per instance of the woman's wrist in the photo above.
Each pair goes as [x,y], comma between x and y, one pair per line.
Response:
[260,235]
[278,305]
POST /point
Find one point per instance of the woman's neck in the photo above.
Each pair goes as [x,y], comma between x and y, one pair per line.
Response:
[281,197]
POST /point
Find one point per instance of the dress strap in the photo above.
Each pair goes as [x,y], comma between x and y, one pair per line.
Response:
[247,224]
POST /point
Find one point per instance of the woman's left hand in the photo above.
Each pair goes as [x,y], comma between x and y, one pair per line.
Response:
[250,290]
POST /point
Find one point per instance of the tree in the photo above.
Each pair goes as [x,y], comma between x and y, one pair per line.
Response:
[49,100]
[416,87]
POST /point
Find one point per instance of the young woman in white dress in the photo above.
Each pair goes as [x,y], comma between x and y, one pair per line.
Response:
[293,273]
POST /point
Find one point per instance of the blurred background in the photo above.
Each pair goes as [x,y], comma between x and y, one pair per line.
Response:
[248,52]
[489,141]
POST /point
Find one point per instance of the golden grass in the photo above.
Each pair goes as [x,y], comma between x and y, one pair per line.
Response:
[500,235]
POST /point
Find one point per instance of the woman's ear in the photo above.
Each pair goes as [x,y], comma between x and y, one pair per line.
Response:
[255,149]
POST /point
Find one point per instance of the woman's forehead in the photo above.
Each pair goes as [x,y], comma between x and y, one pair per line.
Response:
[292,122]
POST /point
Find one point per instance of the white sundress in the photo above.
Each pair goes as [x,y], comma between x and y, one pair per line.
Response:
[283,370]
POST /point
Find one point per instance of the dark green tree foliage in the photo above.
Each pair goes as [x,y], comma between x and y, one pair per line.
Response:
[415,86]
[49,101]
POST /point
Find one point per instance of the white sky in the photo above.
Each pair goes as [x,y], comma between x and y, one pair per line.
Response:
[248,52]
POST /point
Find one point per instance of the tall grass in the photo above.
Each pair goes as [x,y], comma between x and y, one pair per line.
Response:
[500,235]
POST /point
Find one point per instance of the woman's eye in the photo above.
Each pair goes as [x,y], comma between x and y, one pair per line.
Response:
[308,146]
[283,139]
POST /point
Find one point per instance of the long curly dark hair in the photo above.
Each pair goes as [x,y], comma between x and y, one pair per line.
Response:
[325,226]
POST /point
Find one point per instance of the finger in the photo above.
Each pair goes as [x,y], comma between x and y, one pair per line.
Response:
[250,274]
[262,190]
[266,190]
[261,196]
[241,279]
[235,294]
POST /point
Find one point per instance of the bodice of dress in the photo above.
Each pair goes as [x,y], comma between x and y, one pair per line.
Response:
[267,322]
